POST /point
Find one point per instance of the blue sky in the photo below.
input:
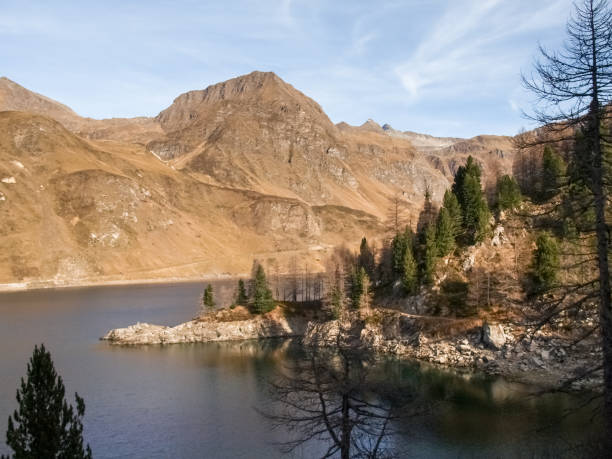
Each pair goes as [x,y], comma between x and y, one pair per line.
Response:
[443,67]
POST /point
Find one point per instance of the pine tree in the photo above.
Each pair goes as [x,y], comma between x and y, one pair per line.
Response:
[476,213]
[241,296]
[359,283]
[474,208]
[45,425]
[262,295]
[208,300]
[451,204]
[546,263]
[336,296]
[401,242]
[508,194]
[366,257]
[445,235]
[553,170]
[428,214]
[427,254]
[410,272]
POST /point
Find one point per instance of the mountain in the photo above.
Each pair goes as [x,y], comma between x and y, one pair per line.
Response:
[422,142]
[16,97]
[248,168]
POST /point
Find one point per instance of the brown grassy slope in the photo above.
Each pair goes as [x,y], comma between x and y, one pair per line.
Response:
[246,168]
[81,210]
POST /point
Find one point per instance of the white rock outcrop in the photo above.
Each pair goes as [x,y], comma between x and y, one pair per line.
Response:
[493,335]
[197,331]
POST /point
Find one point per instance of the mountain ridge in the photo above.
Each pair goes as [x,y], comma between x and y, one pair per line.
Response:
[245,168]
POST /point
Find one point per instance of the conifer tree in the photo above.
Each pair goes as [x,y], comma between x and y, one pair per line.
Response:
[508,194]
[451,204]
[241,297]
[359,284]
[573,88]
[45,425]
[401,242]
[262,295]
[208,300]
[546,263]
[445,233]
[474,208]
[427,254]
[553,170]
[410,272]
[336,296]
[366,257]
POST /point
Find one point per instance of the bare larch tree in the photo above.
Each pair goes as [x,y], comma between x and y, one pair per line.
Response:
[574,94]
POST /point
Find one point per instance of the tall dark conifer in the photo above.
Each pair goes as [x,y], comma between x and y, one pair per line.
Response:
[45,425]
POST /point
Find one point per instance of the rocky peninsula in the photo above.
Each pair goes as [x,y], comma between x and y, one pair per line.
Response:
[517,353]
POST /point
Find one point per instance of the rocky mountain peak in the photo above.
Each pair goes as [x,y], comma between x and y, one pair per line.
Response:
[264,89]
[371,125]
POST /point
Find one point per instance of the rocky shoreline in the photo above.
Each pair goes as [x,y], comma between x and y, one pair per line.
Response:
[198,331]
[499,349]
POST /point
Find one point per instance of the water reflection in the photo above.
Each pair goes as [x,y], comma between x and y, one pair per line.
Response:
[198,400]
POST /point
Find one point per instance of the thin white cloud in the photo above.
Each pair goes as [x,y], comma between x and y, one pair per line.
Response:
[471,48]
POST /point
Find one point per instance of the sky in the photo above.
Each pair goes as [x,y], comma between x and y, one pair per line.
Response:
[442,67]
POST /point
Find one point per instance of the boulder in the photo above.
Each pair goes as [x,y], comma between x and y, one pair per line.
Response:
[493,335]
[468,262]
[499,236]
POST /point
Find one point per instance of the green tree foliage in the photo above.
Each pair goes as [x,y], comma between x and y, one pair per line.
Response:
[578,209]
[553,171]
[359,283]
[451,204]
[208,300]
[428,213]
[366,257]
[445,233]
[45,425]
[262,300]
[508,193]
[427,254]
[546,263]
[241,296]
[474,208]
[401,242]
[410,280]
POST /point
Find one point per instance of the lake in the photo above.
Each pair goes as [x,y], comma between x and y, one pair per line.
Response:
[199,400]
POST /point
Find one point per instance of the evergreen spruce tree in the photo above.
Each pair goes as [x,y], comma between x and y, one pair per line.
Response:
[546,263]
[401,242]
[366,257]
[428,214]
[508,194]
[45,425]
[262,295]
[241,296]
[359,281]
[336,296]
[410,272]
[445,233]
[553,170]
[451,204]
[474,208]
[428,254]
[208,300]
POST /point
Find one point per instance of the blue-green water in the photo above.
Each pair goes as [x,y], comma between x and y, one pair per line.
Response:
[184,401]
